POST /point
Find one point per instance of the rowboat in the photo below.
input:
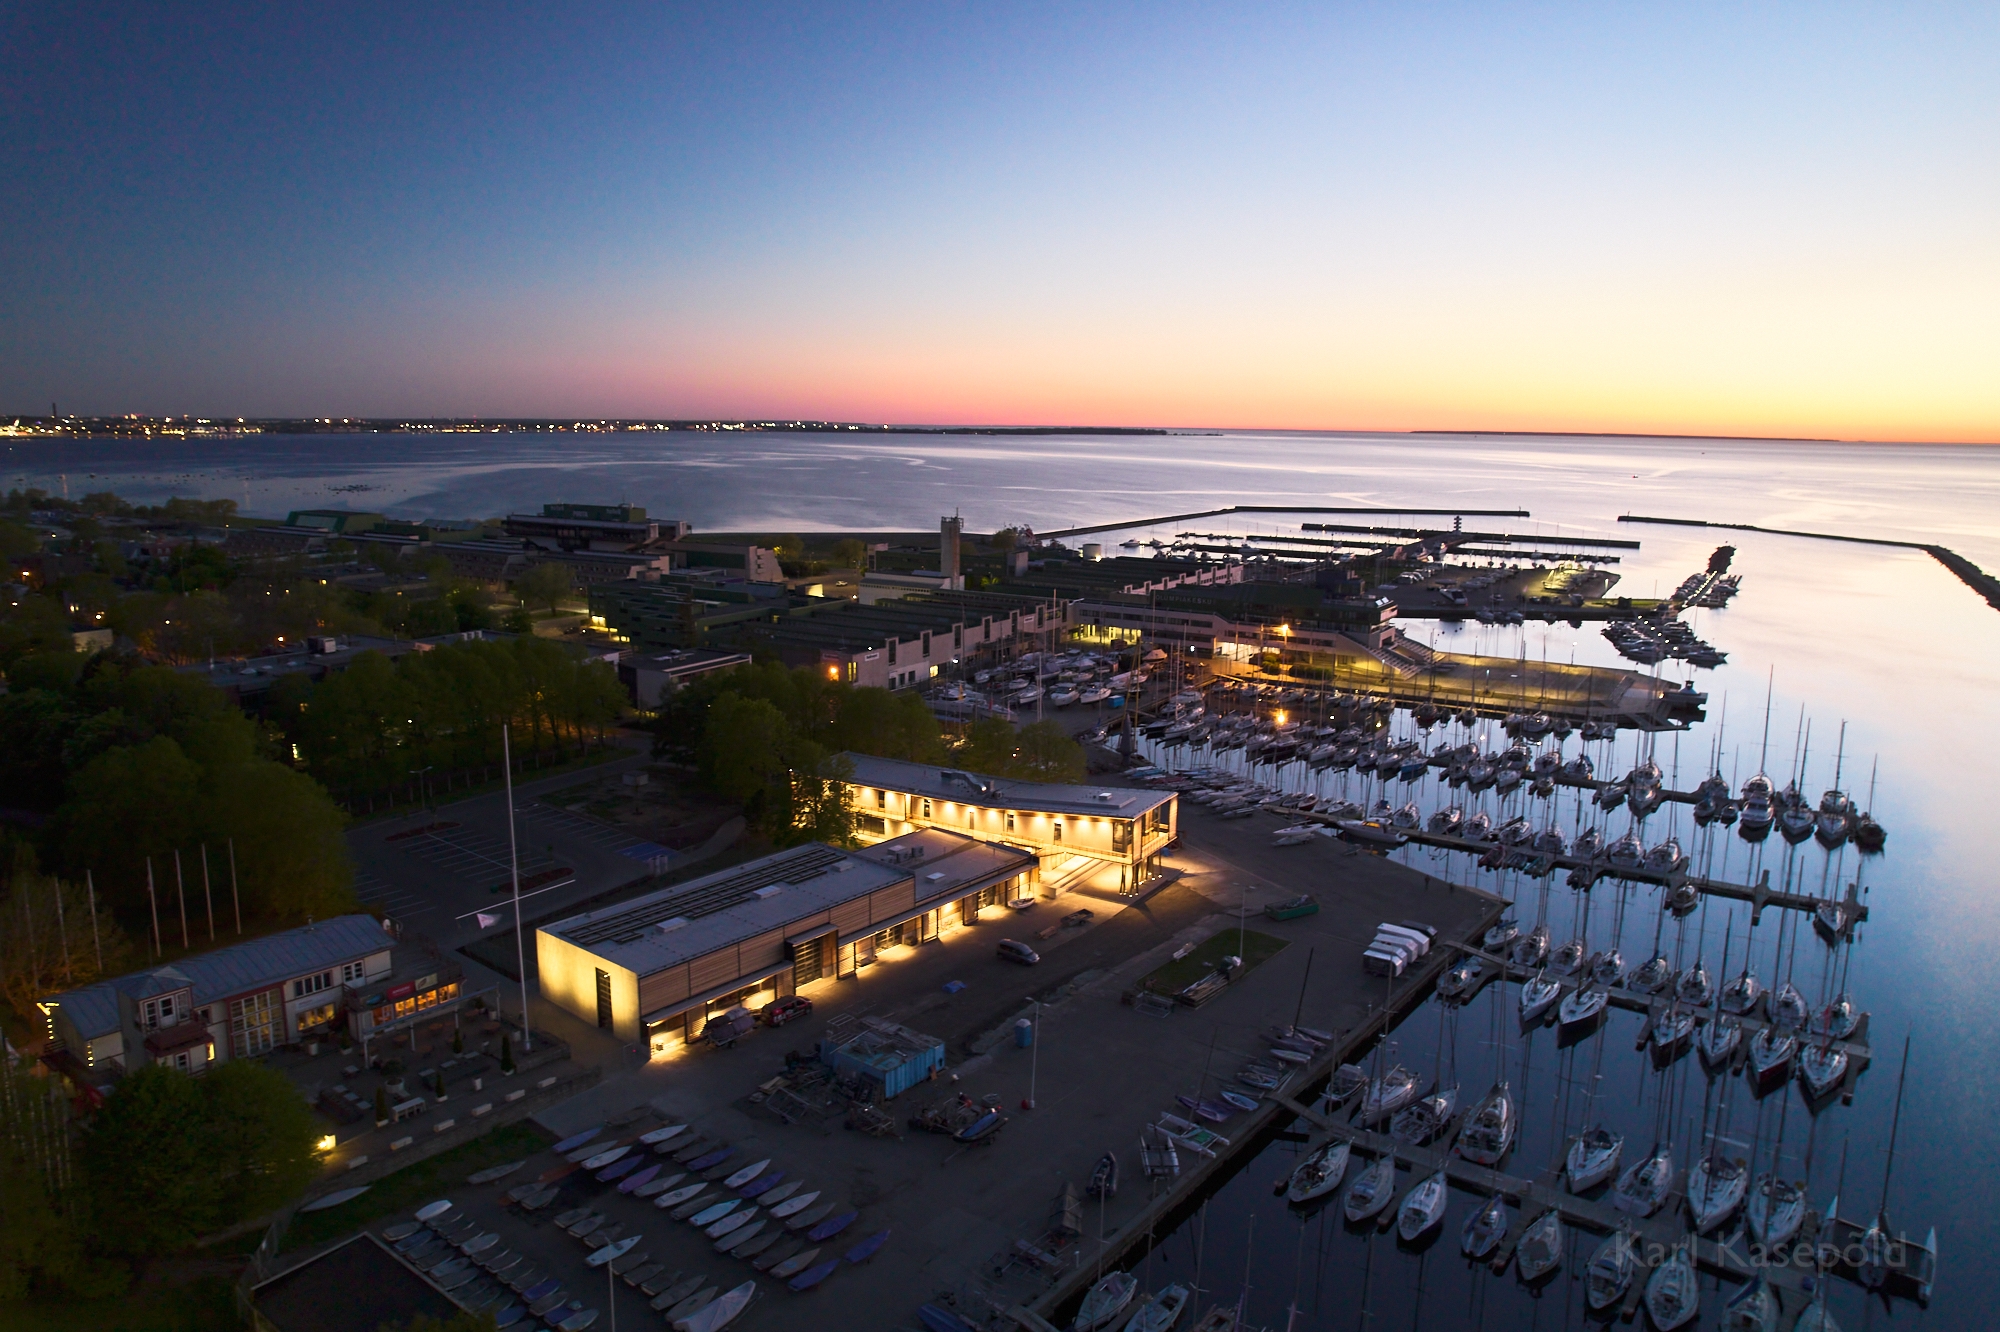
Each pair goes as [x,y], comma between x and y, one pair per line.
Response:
[719,1312]
[867,1249]
[793,1206]
[1105,1300]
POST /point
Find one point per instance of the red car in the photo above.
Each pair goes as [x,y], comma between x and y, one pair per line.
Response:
[779,1012]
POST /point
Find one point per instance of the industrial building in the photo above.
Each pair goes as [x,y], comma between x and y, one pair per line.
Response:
[1115,827]
[659,966]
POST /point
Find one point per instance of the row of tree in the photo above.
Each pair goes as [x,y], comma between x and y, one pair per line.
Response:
[382,724]
[770,738]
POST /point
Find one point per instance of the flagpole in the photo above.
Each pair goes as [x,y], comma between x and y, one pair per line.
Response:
[514,867]
[153,900]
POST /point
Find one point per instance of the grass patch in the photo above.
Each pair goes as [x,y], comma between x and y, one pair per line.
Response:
[420,1183]
[1255,949]
[206,1304]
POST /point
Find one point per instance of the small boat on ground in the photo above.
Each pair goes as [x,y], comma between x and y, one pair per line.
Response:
[1423,1207]
[1673,1295]
[1541,1248]
[1104,1179]
[719,1312]
[1484,1229]
[1610,1271]
[1319,1174]
[1593,1158]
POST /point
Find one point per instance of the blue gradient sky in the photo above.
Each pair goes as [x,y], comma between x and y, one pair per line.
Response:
[1781,220]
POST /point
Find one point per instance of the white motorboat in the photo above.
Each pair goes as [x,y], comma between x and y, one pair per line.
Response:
[1593,1158]
[1423,1207]
[1716,1188]
[1489,1131]
[1538,995]
[1777,1210]
[1484,1229]
[1673,1295]
[1372,1190]
[1610,1271]
[1541,1249]
[1319,1174]
[1643,1186]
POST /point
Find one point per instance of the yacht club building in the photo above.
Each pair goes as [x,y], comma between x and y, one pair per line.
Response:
[1117,827]
[658,967]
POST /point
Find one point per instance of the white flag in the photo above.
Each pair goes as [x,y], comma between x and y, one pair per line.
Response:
[487,921]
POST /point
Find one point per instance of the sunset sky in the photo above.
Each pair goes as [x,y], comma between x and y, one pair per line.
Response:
[1731,219]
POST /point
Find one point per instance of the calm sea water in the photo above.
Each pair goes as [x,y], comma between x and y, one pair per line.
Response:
[1883,640]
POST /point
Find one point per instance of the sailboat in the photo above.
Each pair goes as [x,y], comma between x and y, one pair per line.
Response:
[1777,1210]
[1319,1173]
[1531,949]
[1538,995]
[1610,1272]
[1753,1308]
[1541,1249]
[1643,1186]
[1489,1132]
[1821,1069]
[1426,1117]
[1372,1190]
[1593,1158]
[1484,1229]
[1788,1008]
[1423,1207]
[1673,1295]
[1582,1007]
[1716,1187]
[1388,1094]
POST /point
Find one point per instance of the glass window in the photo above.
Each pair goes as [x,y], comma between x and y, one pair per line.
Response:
[253,1023]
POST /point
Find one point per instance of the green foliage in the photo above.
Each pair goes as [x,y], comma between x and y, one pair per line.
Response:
[465,1320]
[1039,752]
[545,583]
[170,1157]
[850,553]
[17,541]
[368,727]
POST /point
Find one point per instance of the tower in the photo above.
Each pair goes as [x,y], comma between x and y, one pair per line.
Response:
[948,533]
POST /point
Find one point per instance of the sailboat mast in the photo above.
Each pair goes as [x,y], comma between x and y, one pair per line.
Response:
[1895,1123]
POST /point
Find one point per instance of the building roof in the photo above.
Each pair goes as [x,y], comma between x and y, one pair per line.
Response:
[356,1286]
[238,969]
[946,862]
[688,920]
[966,788]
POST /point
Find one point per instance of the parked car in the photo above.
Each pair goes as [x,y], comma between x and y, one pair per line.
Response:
[725,1029]
[1013,950]
[780,1011]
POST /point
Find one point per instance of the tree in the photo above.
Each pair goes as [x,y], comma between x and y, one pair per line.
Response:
[291,859]
[126,805]
[151,1186]
[822,805]
[47,942]
[262,1143]
[850,553]
[743,749]
[544,583]
[1045,753]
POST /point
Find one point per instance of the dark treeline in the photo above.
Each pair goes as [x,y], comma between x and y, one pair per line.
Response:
[770,738]
[371,728]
